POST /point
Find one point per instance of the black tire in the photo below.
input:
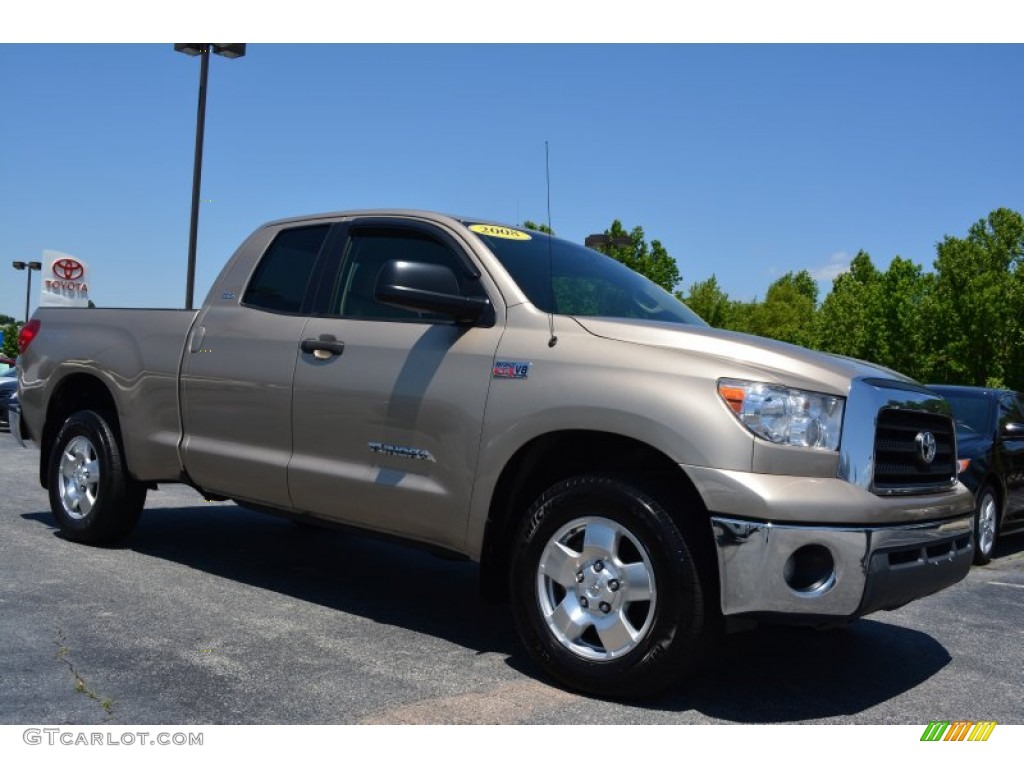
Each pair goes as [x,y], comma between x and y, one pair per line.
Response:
[92,495]
[986,524]
[608,543]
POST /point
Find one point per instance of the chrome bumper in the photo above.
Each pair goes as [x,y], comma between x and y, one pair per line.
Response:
[817,575]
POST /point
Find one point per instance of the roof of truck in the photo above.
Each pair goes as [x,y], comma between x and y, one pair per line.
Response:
[404,212]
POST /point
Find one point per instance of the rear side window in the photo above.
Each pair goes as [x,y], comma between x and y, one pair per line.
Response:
[280,280]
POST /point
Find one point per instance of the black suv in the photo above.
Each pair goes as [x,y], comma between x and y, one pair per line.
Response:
[990,447]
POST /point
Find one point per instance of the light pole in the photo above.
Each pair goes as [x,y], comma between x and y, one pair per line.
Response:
[28,266]
[228,51]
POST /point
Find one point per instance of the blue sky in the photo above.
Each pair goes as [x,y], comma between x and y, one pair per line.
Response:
[746,161]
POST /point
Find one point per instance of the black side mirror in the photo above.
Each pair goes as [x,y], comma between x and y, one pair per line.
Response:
[1013,430]
[427,288]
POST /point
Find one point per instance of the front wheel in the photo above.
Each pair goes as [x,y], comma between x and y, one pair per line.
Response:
[986,525]
[92,495]
[607,595]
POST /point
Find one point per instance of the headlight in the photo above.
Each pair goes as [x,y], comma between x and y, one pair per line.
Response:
[785,416]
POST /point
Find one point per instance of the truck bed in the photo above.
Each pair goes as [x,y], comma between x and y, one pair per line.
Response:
[137,354]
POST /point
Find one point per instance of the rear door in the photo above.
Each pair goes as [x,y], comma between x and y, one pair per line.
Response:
[386,429]
[237,374]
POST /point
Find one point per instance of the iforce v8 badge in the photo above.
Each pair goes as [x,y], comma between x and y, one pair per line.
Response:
[510,369]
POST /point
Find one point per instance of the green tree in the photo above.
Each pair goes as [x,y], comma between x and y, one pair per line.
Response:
[788,310]
[652,261]
[538,227]
[974,316]
[708,300]
[844,324]
[897,309]
[877,316]
[10,345]
[740,316]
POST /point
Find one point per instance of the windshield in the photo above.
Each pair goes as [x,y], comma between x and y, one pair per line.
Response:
[565,278]
[971,412]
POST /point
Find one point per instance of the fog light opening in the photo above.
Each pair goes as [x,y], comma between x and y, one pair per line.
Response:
[810,570]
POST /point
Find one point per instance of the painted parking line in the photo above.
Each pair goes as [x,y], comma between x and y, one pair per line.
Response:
[1005,584]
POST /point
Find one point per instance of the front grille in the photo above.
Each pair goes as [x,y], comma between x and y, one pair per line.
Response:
[899,464]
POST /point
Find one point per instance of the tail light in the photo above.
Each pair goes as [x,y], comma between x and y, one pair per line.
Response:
[27,333]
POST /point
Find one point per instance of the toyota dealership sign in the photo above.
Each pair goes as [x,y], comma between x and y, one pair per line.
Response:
[65,281]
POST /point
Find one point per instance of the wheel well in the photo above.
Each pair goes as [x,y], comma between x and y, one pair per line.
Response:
[556,456]
[77,392]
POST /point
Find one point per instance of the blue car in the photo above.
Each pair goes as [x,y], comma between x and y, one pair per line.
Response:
[990,448]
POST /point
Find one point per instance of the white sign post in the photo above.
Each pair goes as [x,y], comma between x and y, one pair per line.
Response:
[65,281]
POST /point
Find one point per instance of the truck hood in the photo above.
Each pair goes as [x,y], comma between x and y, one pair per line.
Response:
[776,360]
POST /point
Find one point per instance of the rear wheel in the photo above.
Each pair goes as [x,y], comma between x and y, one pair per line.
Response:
[606,594]
[986,525]
[92,495]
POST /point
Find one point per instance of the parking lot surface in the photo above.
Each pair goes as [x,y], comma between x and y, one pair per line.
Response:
[214,614]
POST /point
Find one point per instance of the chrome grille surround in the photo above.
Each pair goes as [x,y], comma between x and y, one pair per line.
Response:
[883,419]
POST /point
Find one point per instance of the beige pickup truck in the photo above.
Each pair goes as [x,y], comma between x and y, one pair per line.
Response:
[629,479]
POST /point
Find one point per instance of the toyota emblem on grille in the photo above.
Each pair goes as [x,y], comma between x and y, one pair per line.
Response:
[67,269]
[925,442]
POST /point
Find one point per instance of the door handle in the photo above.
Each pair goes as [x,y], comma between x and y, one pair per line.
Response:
[322,348]
[196,342]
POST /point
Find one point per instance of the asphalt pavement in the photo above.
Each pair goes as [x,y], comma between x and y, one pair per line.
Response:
[215,614]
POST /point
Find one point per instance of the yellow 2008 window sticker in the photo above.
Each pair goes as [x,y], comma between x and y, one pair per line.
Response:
[496,231]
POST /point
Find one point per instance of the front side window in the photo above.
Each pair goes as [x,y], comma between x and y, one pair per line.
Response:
[369,250]
[280,280]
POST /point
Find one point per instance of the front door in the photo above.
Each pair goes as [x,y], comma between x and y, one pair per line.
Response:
[386,428]
[1012,449]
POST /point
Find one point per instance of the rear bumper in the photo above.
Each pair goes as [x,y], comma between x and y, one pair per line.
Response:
[14,418]
[818,575]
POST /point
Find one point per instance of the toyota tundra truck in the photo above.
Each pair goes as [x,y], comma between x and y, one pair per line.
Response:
[629,479]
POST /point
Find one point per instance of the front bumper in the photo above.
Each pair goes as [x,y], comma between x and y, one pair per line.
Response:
[819,575]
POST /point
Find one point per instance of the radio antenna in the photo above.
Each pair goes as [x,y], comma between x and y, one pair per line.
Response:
[551,261]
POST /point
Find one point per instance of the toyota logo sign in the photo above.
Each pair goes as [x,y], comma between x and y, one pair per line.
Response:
[65,281]
[67,269]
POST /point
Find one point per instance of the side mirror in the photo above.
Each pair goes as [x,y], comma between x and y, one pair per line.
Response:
[427,288]
[1013,430]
